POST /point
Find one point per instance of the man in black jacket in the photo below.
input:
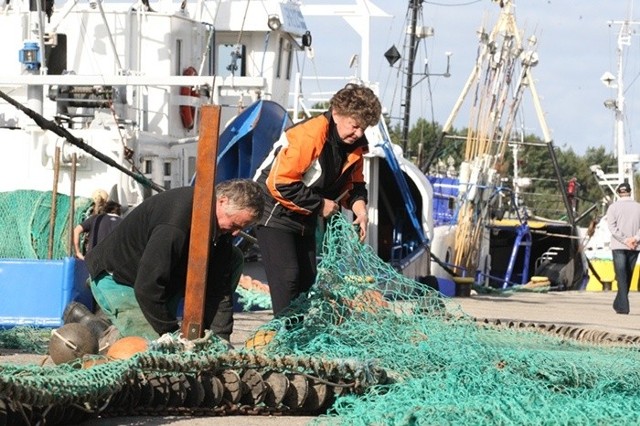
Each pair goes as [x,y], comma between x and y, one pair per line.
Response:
[138,272]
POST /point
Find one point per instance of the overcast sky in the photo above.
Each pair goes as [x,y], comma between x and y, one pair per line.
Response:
[576,45]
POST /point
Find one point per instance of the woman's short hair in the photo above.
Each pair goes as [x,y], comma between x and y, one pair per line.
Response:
[358,102]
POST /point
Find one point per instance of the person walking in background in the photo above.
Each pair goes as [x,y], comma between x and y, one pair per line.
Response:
[97,227]
[623,219]
[139,272]
[315,166]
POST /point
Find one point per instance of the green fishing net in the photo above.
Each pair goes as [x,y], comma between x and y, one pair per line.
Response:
[446,368]
[253,300]
[415,358]
[25,224]
[25,338]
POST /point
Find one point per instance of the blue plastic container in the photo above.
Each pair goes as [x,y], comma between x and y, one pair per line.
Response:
[35,292]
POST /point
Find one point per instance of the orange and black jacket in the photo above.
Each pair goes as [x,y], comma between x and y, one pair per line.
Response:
[307,164]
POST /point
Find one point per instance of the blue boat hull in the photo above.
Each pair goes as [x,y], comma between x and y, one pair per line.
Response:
[246,141]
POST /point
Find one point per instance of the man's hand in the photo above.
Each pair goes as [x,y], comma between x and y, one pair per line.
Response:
[631,243]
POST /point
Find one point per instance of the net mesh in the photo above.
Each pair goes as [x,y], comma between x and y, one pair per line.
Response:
[446,368]
[25,223]
[441,366]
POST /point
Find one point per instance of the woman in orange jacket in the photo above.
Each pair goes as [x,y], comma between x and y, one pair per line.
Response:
[313,169]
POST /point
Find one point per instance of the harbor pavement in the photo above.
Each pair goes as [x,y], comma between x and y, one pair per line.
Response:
[581,309]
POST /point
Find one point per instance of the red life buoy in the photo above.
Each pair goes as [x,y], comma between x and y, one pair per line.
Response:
[188,112]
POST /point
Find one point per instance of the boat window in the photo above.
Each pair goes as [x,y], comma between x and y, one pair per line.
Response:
[191,166]
[289,59]
[167,169]
[281,51]
[211,54]
[147,168]
[232,58]
[178,58]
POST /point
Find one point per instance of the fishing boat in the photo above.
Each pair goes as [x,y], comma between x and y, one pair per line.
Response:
[488,235]
[101,95]
[107,96]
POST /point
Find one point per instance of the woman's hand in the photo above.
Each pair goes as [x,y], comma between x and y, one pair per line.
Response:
[329,208]
[361,221]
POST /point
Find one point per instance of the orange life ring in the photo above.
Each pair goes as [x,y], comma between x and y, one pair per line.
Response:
[188,112]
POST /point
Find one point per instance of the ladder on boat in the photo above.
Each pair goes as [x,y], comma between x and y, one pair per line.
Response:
[523,240]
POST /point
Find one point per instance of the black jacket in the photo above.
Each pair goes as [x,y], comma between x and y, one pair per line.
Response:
[148,251]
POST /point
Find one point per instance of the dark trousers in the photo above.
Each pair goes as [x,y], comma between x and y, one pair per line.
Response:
[290,264]
[118,301]
[624,261]
[218,304]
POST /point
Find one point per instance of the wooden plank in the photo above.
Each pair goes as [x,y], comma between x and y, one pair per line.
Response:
[54,201]
[203,222]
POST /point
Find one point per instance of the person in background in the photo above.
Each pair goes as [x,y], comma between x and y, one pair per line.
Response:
[97,227]
[623,219]
[314,168]
[100,198]
[139,271]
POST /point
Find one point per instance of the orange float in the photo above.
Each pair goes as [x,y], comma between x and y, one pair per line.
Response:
[188,112]
[127,347]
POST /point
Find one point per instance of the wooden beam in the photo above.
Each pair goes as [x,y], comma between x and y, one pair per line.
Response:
[203,222]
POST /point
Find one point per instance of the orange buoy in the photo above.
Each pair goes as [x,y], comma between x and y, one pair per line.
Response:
[127,347]
[259,340]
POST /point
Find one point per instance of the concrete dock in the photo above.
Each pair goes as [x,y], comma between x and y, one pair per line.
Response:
[588,310]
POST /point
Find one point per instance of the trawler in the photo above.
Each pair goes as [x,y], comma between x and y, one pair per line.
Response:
[118,87]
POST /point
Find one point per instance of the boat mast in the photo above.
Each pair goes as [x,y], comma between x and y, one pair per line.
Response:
[624,39]
[414,6]
[625,161]
[625,169]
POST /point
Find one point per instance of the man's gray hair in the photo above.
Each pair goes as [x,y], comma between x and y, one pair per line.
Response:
[243,194]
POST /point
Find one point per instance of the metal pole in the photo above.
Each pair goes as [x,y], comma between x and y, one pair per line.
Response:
[415,6]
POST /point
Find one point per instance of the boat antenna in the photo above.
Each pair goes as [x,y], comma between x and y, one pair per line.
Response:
[46,124]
